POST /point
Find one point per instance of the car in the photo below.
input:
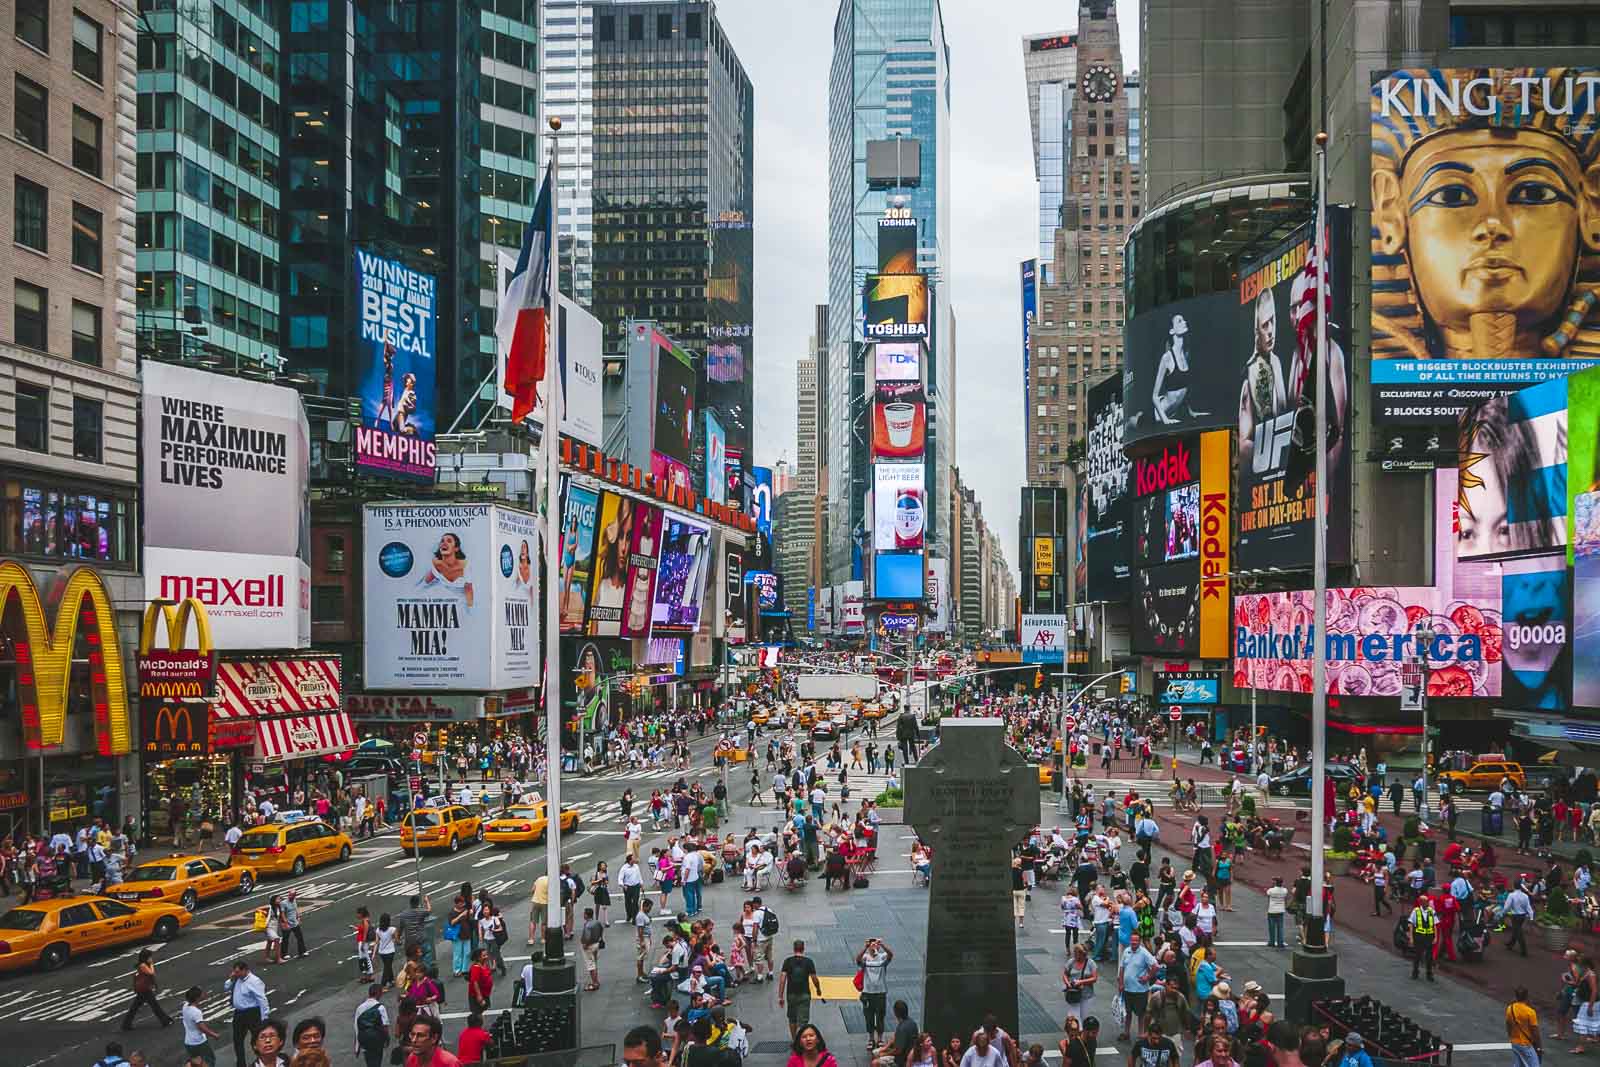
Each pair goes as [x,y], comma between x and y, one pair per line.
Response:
[525,824]
[1047,774]
[1485,775]
[761,717]
[290,846]
[182,879]
[873,711]
[49,932]
[363,764]
[1297,782]
[825,730]
[440,826]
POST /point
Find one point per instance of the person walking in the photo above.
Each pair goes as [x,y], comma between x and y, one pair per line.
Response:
[387,938]
[196,1034]
[1518,910]
[591,937]
[874,959]
[1077,982]
[1424,923]
[1277,907]
[372,1027]
[797,979]
[631,878]
[248,995]
[480,982]
[1380,890]
[289,921]
[1522,1030]
[144,991]
[1136,968]
[1586,1020]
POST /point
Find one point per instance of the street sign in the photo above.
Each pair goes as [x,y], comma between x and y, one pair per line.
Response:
[1175,713]
[1069,724]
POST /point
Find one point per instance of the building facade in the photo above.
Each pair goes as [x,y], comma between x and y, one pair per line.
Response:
[1050,70]
[566,91]
[1077,332]
[889,78]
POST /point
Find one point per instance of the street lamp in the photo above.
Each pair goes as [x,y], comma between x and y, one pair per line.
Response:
[1424,634]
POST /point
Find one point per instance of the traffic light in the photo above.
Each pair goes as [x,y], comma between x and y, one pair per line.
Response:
[1123,681]
[1038,679]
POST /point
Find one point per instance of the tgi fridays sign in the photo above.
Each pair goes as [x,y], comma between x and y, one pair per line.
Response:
[287,685]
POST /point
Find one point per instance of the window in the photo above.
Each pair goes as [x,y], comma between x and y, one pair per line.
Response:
[33,417]
[32,121]
[86,429]
[31,305]
[85,142]
[113,909]
[85,333]
[664,26]
[336,554]
[33,23]
[86,46]
[86,225]
[29,210]
[692,25]
[327,604]
[76,915]
[605,28]
[68,525]
[635,27]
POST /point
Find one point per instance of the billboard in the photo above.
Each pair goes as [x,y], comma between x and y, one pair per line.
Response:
[396,336]
[1370,634]
[716,459]
[1216,529]
[899,427]
[898,576]
[1188,687]
[1080,542]
[897,244]
[672,434]
[1030,313]
[580,512]
[899,506]
[936,589]
[1181,366]
[1586,600]
[897,361]
[681,576]
[1456,154]
[895,307]
[451,595]
[1536,599]
[761,499]
[642,563]
[1044,556]
[578,345]
[1276,310]
[1166,610]
[730,319]
[217,454]
[764,586]
[735,477]
[623,586]
[1583,457]
[1044,638]
[1512,484]
[1109,485]
[853,607]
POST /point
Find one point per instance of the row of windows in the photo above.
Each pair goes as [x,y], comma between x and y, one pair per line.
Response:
[1538,29]
[30,226]
[31,117]
[63,524]
[168,232]
[161,171]
[33,426]
[30,327]
[210,74]
[523,99]
[169,291]
[33,27]
[167,111]
[605,27]
[518,144]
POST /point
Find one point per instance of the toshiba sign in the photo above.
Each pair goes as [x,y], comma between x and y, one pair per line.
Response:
[1167,469]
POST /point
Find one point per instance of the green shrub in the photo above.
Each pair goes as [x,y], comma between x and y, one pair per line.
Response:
[1343,839]
[892,798]
[1557,910]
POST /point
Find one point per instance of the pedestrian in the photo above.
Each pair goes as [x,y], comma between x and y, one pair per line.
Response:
[290,922]
[1586,1021]
[1518,910]
[600,890]
[309,1035]
[364,938]
[591,939]
[248,995]
[1424,923]
[387,939]
[1078,978]
[427,1044]
[144,991]
[873,960]
[372,1027]
[274,930]
[631,879]
[493,935]
[458,930]
[1154,1049]
[797,979]
[480,982]
[539,912]
[1277,907]
[986,1053]
[810,1050]
[269,1037]
[1522,1030]
[1136,968]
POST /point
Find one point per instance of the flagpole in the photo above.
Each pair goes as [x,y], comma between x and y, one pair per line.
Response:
[554,950]
[1316,936]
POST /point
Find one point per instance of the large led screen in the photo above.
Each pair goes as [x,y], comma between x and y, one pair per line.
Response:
[899,506]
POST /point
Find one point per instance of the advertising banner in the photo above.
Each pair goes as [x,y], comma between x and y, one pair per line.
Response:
[761,499]
[1181,368]
[897,624]
[396,339]
[1080,542]
[897,361]
[1583,458]
[218,454]
[1370,635]
[1044,556]
[1512,485]
[737,499]
[681,577]
[716,459]
[1044,638]
[642,562]
[764,587]
[899,427]
[731,603]
[936,588]
[1109,485]
[609,582]
[1276,403]
[898,576]
[852,599]
[579,517]
[1586,601]
[1030,313]
[450,596]
[672,437]
[1536,597]
[899,506]
[1456,321]
[1188,687]
[730,315]
[1166,609]
[895,306]
[1215,521]
[897,244]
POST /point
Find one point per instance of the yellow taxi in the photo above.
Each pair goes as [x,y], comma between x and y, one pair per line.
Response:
[290,846]
[807,716]
[182,879]
[525,824]
[50,932]
[873,711]
[1047,774]
[761,717]
[440,826]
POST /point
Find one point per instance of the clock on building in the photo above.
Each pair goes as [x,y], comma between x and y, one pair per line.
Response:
[1100,83]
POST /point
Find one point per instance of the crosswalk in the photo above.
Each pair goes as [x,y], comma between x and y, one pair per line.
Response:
[649,774]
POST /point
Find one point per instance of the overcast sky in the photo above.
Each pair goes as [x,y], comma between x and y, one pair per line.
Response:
[787,49]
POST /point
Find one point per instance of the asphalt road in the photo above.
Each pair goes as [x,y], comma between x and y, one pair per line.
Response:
[66,1017]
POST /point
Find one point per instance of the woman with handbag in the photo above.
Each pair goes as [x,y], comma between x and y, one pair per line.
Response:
[458,931]
[480,983]
[600,888]
[1077,982]
[144,991]
[492,935]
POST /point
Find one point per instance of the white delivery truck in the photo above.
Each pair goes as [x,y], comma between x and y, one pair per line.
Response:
[837,687]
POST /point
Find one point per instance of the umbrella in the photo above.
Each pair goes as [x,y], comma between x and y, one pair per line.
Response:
[374,743]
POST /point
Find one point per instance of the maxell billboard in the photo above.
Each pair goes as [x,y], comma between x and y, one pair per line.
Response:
[219,453]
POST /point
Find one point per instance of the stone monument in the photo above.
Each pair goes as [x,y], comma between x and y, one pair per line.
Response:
[971,797]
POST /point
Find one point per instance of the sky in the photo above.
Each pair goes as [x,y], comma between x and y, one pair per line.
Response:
[787,49]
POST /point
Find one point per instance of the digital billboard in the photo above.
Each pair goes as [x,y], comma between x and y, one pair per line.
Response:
[1216,529]
[1044,638]
[895,307]
[1181,368]
[716,459]
[1583,457]
[897,361]
[627,543]
[1166,610]
[899,506]
[579,516]
[852,607]
[1536,598]
[1585,548]
[1276,310]
[897,244]
[899,427]
[936,588]
[1482,234]
[761,499]
[1512,484]
[681,575]
[1030,312]
[396,340]
[898,576]
[734,459]
[672,436]
[730,315]
[1109,487]
[1182,527]
[1188,687]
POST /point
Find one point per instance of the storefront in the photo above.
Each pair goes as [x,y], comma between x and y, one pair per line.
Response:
[192,766]
[292,705]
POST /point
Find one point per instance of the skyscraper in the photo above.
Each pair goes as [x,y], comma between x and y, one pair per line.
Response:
[566,88]
[800,515]
[673,194]
[889,78]
[1050,68]
[1077,334]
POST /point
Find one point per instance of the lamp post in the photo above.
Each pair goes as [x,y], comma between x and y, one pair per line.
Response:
[1424,634]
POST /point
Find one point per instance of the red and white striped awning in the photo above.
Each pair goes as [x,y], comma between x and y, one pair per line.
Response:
[302,736]
[295,703]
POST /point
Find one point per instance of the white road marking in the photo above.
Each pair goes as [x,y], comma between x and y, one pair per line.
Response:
[1484,1046]
[499,858]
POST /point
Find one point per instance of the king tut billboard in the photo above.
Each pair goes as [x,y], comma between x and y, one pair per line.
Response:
[1485,235]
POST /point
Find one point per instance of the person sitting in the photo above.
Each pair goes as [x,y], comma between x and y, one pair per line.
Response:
[794,870]
[835,868]
[922,863]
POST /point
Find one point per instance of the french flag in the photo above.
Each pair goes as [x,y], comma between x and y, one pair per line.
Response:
[522,322]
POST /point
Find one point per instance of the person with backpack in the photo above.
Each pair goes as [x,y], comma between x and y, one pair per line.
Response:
[372,1026]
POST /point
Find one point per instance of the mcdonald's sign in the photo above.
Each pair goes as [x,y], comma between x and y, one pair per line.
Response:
[79,608]
[175,672]
[169,728]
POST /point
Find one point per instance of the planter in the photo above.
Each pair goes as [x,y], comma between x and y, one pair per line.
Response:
[1338,866]
[1554,938]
